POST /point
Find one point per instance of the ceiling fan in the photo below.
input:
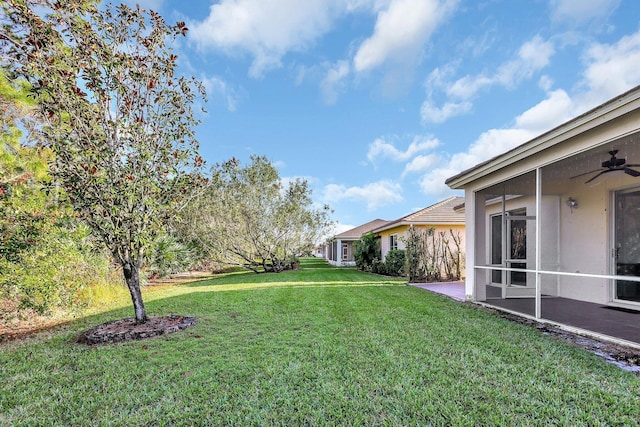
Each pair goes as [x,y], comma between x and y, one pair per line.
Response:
[614,164]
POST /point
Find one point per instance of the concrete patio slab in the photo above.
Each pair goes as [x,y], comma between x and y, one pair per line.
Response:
[453,290]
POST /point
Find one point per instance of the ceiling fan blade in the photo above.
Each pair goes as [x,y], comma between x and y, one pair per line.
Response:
[632,166]
[586,173]
[631,172]
[595,176]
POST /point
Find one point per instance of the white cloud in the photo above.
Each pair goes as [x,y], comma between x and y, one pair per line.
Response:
[333,81]
[218,88]
[440,77]
[611,70]
[432,114]
[433,183]
[267,30]
[545,83]
[341,228]
[401,31]
[581,12]
[375,195]
[381,148]
[545,115]
[532,56]
[281,164]
[488,145]
[420,164]
[549,113]
[475,46]
[467,86]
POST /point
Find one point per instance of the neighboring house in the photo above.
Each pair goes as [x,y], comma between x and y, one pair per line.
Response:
[553,225]
[442,216]
[339,249]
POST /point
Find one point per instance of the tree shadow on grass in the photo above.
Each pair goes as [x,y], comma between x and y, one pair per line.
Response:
[285,279]
[227,282]
[303,276]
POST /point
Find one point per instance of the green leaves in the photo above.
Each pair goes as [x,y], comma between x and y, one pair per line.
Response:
[112,110]
[246,217]
[367,252]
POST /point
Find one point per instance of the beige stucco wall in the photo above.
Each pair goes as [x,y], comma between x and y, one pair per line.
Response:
[586,238]
[401,232]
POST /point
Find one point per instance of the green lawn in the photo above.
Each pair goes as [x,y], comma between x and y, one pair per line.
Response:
[317,346]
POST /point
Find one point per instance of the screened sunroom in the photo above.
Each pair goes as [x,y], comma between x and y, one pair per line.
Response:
[553,226]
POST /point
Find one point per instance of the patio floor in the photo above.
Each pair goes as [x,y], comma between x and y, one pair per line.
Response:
[615,322]
[454,290]
[618,323]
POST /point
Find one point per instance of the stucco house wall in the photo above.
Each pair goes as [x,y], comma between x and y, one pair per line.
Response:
[401,232]
[443,216]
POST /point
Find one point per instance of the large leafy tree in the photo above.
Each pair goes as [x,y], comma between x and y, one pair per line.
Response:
[248,217]
[115,113]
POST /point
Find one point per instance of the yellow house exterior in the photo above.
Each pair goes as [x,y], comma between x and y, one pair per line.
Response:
[397,235]
[444,216]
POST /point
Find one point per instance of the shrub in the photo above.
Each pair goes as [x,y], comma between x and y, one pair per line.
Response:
[395,262]
[377,266]
[52,273]
[168,256]
[367,253]
[433,257]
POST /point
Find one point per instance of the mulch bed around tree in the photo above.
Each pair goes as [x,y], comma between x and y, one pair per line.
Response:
[127,329]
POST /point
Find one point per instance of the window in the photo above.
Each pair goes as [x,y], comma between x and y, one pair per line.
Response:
[345,252]
[393,242]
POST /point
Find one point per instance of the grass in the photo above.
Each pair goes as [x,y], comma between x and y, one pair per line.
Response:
[316,346]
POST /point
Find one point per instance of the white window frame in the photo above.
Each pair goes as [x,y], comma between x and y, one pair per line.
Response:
[393,242]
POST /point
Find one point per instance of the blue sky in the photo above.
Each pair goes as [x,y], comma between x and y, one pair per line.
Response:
[377,102]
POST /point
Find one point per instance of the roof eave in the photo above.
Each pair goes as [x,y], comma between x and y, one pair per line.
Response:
[611,109]
[409,223]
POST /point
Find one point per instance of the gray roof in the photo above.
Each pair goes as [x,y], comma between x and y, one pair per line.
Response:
[442,212]
[357,232]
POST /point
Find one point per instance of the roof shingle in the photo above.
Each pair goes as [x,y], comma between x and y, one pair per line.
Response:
[357,232]
[439,213]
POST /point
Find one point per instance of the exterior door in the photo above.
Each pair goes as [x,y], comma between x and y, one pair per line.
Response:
[626,244]
[516,247]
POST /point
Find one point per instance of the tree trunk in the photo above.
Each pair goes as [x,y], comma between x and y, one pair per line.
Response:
[132,277]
